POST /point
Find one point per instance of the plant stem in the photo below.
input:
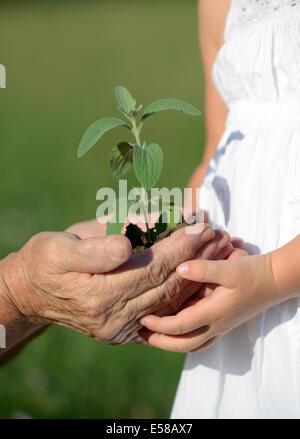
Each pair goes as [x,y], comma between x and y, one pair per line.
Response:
[145,213]
[136,131]
[148,229]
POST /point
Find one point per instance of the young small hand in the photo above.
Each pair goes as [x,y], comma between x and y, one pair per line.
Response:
[235,291]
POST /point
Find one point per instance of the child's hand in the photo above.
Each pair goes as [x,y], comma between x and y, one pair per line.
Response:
[220,247]
[236,290]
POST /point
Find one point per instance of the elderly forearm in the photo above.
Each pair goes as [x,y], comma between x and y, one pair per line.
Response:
[18,329]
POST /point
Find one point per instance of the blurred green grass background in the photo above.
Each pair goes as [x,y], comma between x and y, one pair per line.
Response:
[63,60]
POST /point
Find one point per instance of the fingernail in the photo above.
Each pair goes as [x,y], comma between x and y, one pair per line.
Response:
[143,320]
[116,247]
[225,239]
[183,268]
[195,229]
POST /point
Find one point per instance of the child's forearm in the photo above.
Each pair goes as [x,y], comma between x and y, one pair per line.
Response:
[286,268]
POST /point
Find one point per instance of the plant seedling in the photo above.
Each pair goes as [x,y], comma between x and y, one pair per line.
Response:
[146,160]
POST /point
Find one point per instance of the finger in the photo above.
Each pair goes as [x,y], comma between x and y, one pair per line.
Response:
[238,243]
[217,272]
[88,229]
[173,305]
[184,242]
[237,253]
[145,271]
[213,247]
[184,343]
[206,290]
[199,294]
[205,345]
[188,319]
[225,252]
[187,297]
[141,341]
[94,255]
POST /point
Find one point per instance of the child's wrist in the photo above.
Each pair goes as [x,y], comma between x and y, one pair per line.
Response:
[286,272]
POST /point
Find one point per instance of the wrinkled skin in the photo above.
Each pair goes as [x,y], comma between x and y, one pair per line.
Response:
[60,278]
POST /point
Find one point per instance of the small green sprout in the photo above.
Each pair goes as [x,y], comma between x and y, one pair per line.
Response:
[146,160]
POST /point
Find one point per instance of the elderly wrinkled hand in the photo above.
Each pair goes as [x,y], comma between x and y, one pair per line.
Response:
[94,286]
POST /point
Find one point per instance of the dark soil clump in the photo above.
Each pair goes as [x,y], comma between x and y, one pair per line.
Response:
[140,240]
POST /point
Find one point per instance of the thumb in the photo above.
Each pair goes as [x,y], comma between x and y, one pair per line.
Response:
[215,272]
[98,254]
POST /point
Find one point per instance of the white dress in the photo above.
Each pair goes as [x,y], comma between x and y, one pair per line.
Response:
[252,190]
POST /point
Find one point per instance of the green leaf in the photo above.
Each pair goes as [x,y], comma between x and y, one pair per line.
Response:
[121,159]
[147,164]
[170,104]
[126,101]
[96,131]
[115,226]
